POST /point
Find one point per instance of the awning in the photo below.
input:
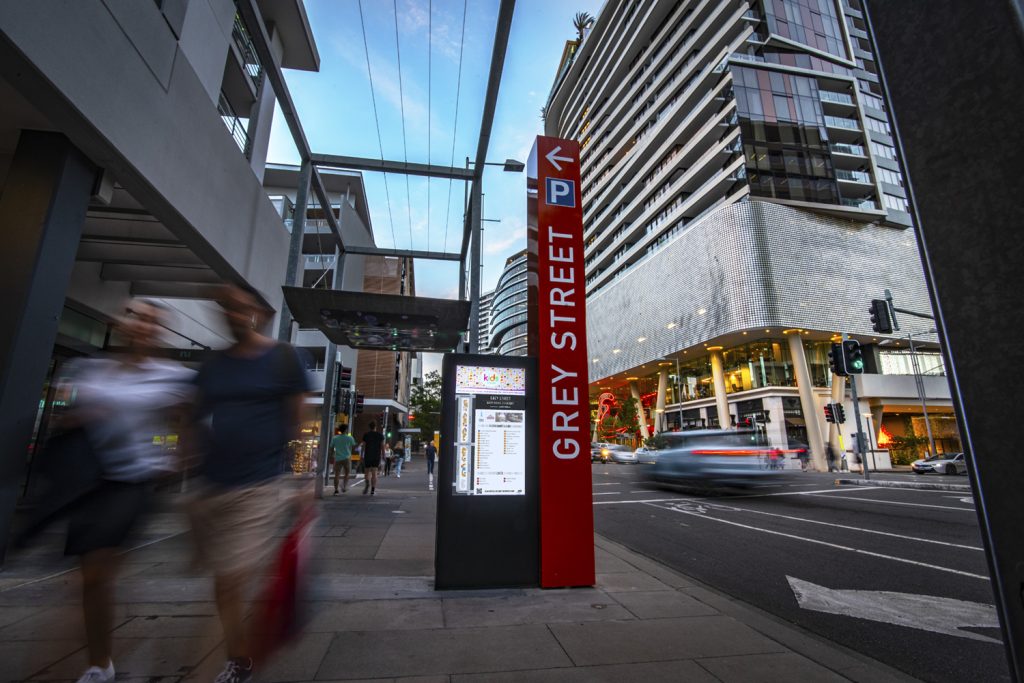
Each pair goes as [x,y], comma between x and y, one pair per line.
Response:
[382,322]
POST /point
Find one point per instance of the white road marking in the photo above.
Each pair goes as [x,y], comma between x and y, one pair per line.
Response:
[751,495]
[844,526]
[626,502]
[896,502]
[609,493]
[924,612]
[858,551]
[607,483]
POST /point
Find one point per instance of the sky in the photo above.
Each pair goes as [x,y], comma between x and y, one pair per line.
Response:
[429,109]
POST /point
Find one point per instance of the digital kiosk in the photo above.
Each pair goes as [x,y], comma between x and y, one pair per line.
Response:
[487,501]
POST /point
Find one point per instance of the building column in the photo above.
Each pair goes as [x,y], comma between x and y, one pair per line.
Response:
[42,209]
[721,398]
[293,273]
[659,409]
[807,404]
[635,391]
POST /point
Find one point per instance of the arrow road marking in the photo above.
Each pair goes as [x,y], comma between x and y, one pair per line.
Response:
[550,156]
[925,612]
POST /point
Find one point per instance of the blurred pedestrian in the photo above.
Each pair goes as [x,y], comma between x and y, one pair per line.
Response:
[248,407]
[123,403]
[399,453]
[830,454]
[341,447]
[431,454]
[373,450]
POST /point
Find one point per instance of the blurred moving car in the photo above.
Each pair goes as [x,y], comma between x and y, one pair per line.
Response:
[619,453]
[946,463]
[599,451]
[646,455]
[714,456]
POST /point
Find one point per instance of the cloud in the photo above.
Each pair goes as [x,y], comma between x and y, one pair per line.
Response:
[507,237]
[445,28]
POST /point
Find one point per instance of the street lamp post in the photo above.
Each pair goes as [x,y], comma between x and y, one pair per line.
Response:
[475,213]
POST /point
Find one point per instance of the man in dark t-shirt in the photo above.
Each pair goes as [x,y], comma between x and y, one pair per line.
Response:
[249,398]
[373,450]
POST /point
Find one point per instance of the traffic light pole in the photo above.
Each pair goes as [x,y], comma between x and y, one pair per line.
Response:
[326,418]
[859,445]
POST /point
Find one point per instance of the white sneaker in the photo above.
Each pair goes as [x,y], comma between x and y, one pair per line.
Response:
[94,674]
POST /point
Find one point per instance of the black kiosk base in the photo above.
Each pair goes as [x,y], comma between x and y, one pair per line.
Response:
[488,524]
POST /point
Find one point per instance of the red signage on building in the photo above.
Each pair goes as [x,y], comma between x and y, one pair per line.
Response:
[558,339]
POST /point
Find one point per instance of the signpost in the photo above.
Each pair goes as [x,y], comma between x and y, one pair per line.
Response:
[558,340]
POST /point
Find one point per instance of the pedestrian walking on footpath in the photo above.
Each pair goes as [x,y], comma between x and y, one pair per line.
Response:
[120,403]
[373,450]
[399,454]
[389,459]
[431,454]
[341,447]
[248,410]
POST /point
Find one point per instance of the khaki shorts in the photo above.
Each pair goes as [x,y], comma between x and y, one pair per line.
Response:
[344,464]
[236,529]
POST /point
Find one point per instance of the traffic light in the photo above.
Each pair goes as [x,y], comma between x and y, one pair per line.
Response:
[881,320]
[840,413]
[345,377]
[830,415]
[853,357]
[836,360]
[359,403]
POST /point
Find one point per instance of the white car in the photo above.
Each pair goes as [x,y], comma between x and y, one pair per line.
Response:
[647,455]
[943,463]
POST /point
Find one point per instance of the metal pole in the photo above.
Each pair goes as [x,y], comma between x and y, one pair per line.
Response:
[474,269]
[859,445]
[284,330]
[326,417]
[679,396]
[919,382]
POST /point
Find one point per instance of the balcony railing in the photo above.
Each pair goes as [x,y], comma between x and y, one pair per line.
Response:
[244,44]
[837,122]
[859,203]
[837,97]
[237,126]
[843,148]
[857,176]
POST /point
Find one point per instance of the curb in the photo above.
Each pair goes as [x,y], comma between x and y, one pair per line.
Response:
[926,486]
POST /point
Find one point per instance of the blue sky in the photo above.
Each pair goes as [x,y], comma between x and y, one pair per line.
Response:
[337,112]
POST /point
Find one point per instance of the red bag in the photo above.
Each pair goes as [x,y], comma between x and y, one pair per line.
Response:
[280,615]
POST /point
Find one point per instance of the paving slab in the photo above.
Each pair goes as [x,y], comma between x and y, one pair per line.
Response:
[649,672]
[168,626]
[614,642]
[606,563]
[662,605]
[534,608]
[377,615]
[139,657]
[783,667]
[442,651]
[19,661]
[298,661]
[630,581]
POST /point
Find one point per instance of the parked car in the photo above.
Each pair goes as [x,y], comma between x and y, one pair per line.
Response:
[714,456]
[646,455]
[945,463]
[618,453]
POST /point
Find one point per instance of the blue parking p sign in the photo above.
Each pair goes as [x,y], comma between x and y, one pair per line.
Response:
[560,192]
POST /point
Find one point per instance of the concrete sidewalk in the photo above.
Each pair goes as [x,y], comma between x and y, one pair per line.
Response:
[373,615]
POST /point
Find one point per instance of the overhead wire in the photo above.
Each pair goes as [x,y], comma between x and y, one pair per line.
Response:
[458,89]
[430,35]
[405,149]
[376,119]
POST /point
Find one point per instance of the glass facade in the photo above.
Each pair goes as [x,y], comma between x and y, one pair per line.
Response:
[508,327]
[813,23]
[785,142]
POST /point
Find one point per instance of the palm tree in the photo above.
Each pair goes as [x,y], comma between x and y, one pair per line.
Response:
[581,22]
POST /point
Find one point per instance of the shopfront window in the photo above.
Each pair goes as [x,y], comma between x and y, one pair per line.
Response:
[817,361]
[764,363]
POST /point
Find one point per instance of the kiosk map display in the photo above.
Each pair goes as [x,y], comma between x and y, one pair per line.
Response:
[491,442]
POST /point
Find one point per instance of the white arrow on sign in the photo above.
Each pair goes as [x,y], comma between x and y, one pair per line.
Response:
[550,156]
[925,612]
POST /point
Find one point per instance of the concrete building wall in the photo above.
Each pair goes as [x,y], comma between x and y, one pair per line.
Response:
[152,125]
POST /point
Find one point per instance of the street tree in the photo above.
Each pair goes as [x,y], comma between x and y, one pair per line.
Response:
[425,402]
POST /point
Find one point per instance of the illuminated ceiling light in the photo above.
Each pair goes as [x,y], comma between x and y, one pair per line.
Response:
[789,331]
[715,348]
[631,379]
[670,326]
[768,331]
[744,333]
[616,350]
[665,363]
[701,311]
[596,360]
[641,339]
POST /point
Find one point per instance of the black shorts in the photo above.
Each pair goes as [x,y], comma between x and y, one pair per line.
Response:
[372,461]
[105,516]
